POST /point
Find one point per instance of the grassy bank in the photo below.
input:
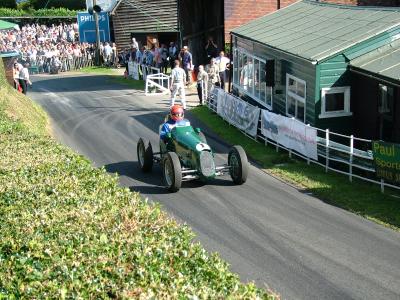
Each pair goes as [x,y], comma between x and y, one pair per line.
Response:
[69,231]
[359,197]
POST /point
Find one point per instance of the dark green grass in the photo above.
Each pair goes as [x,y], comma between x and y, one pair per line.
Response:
[359,197]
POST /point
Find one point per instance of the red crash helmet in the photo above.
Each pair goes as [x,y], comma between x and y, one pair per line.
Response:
[176,113]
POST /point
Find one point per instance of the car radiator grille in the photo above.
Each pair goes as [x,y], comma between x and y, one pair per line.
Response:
[207,165]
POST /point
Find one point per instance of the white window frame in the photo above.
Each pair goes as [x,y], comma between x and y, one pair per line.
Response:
[295,96]
[251,93]
[339,113]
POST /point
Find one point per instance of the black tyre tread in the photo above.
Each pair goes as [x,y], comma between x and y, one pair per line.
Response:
[243,162]
[148,155]
[176,164]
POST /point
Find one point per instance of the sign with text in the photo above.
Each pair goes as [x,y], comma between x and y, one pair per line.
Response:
[290,133]
[87,27]
[387,161]
[238,112]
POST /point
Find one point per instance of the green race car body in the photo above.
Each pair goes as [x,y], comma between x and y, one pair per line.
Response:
[185,155]
[192,149]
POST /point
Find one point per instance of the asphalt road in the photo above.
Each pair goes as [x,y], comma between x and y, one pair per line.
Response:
[269,232]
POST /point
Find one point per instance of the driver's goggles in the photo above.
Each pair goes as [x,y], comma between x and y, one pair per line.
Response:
[177,114]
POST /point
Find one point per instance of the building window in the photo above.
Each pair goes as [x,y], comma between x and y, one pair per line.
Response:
[386,99]
[335,102]
[249,77]
[295,97]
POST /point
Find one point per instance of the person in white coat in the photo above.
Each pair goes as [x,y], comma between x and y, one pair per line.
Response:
[178,82]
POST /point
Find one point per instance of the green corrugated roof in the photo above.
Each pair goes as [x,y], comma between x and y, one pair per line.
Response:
[7,25]
[9,54]
[316,31]
[384,61]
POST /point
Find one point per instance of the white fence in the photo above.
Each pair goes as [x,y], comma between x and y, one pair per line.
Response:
[340,153]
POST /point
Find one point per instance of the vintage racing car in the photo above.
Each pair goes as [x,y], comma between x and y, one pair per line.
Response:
[186,156]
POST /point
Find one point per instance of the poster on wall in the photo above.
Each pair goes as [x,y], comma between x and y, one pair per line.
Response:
[387,161]
[238,112]
[290,133]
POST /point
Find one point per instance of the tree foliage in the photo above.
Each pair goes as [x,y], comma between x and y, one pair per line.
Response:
[8,3]
[52,12]
[70,4]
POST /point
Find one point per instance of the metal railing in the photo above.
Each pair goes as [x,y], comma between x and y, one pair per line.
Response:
[347,155]
[42,64]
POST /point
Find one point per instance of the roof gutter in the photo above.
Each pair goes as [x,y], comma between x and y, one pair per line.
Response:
[374,76]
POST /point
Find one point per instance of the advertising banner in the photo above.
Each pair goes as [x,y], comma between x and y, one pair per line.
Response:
[238,112]
[87,27]
[130,68]
[290,133]
[135,71]
[387,161]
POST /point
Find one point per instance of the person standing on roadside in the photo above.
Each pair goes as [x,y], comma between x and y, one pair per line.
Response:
[24,78]
[202,80]
[172,54]
[211,49]
[213,73]
[222,62]
[178,80]
[187,62]
[16,76]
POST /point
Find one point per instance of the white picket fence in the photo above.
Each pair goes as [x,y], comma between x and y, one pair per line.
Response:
[336,152]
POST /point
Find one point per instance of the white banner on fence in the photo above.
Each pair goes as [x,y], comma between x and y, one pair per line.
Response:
[290,133]
[130,68]
[238,112]
[135,71]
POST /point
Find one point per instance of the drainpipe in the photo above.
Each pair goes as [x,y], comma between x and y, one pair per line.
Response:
[231,66]
[180,41]
[278,4]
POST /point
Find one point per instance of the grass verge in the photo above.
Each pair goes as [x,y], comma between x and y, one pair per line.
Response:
[358,197]
[69,231]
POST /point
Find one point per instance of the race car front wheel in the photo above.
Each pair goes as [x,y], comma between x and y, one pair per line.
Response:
[145,155]
[238,164]
[172,171]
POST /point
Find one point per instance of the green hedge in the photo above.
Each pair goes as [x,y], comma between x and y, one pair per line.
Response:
[69,230]
[50,12]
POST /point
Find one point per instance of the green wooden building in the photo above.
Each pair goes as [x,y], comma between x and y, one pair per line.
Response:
[331,66]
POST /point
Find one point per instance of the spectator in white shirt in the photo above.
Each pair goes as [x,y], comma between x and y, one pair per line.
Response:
[222,62]
[24,78]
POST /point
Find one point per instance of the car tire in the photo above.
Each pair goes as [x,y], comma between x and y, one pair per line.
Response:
[238,165]
[145,155]
[172,172]
[202,137]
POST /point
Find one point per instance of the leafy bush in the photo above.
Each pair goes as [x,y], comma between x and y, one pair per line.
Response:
[8,3]
[70,4]
[51,12]
[69,231]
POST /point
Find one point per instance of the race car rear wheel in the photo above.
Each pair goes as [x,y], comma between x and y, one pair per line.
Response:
[172,171]
[238,164]
[145,155]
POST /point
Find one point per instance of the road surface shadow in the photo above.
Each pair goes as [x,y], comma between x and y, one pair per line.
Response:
[81,83]
[153,182]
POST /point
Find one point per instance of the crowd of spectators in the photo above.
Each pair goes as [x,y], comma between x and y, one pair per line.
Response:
[53,48]
[56,48]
